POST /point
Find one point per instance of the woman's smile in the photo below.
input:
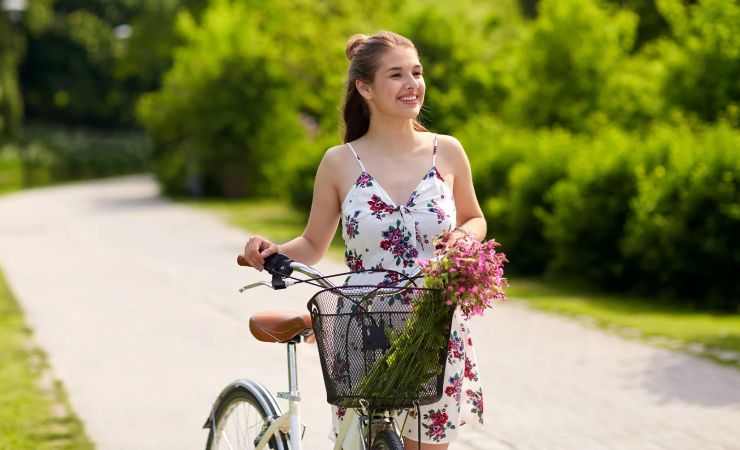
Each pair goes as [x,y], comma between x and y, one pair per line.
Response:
[410,100]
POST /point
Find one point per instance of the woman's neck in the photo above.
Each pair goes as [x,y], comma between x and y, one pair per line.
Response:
[392,136]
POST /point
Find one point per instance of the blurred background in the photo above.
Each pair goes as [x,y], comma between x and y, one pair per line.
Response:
[603,134]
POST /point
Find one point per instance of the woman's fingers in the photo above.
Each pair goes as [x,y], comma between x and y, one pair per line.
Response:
[255,251]
[269,250]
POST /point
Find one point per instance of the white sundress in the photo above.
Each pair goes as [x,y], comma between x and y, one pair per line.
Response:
[379,234]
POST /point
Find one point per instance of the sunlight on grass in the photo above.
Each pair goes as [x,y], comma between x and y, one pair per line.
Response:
[718,333]
[34,410]
[276,221]
[11,178]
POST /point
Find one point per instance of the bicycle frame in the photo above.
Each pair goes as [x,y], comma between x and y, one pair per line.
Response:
[350,436]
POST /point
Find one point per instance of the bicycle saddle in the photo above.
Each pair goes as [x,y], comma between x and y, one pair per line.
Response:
[279,326]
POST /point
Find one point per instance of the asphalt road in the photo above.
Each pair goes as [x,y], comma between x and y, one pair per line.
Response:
[135,301]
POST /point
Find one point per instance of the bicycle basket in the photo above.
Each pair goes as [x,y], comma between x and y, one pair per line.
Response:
[360,331]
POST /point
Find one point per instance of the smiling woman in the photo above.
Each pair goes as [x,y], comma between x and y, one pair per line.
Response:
[395,186]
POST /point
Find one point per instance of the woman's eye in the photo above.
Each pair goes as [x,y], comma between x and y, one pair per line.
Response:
[418,74]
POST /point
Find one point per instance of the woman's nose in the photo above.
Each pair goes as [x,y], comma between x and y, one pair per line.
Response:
[412,82]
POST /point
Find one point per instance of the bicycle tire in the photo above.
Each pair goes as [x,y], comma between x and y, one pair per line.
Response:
[387,440]
[240,419]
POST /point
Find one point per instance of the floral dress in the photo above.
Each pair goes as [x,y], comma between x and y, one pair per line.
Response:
[379,234]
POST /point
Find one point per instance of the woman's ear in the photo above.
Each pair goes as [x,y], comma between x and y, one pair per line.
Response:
[363,87]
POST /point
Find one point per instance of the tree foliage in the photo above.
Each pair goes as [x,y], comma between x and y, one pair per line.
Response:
[601,132]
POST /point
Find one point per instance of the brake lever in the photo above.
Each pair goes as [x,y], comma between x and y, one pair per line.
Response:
[283,284]
[254,285]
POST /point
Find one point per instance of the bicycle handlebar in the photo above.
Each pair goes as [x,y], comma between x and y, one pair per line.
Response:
[281,267]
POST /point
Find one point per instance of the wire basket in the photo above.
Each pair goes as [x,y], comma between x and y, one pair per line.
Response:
[357,326]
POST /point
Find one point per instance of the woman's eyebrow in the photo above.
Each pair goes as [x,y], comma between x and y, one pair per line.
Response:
[418,66]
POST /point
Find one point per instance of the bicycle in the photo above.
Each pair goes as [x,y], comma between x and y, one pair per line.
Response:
[246,415]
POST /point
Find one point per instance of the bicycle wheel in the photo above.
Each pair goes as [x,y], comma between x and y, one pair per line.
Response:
[240,420]
[387,440]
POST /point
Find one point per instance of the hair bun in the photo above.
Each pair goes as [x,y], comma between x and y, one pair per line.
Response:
[353,43]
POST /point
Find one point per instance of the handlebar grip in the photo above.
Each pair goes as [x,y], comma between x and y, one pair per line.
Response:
[241,260]
[278,265]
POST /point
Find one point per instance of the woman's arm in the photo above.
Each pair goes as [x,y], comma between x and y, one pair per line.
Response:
[470,219]
[311,246]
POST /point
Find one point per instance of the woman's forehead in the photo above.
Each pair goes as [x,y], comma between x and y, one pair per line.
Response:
[400,57]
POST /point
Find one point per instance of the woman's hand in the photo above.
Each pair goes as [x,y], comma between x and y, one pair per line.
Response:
[255,252]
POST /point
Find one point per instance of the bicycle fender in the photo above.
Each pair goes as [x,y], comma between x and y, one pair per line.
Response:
[260,392]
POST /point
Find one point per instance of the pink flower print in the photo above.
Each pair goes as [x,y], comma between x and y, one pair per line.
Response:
[341,410]
[433,207]
[364,180]
[351,225]
[440,423]
[470,372]
[456,349]
[379,207]
[353,260]
[398,243]
[475,399]
[438,175]
[390,279]
[454,388]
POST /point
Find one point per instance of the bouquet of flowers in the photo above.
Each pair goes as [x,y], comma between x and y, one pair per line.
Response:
[464,274]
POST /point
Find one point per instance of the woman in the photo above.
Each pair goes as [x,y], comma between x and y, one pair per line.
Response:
[395,186]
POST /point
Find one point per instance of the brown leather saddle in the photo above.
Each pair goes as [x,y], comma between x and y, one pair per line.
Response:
[281,326]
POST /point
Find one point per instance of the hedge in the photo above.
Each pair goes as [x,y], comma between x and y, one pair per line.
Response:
[656,214]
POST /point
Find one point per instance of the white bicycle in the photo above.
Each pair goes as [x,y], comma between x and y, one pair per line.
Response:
[351,326]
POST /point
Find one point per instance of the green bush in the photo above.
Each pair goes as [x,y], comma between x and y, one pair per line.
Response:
[226,106]
[683,235]
[559,77]
[589,207]
[703,59]
[300,173]
[55,154]
[461,56]
[46,154]
[513,171]
[657,213]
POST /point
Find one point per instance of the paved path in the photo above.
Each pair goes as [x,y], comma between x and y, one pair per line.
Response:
[134,299]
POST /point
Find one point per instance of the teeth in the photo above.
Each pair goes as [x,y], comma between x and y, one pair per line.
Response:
[408,99]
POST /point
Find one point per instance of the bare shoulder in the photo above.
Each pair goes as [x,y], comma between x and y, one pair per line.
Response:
[335,163]
[451,151]
[335,158]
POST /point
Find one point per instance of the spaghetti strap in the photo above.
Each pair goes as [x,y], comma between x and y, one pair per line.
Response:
[434,152]
[362,166]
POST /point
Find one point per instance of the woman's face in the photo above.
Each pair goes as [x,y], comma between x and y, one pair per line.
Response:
[398,89]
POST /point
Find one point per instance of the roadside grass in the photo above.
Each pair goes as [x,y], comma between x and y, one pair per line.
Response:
[11,177]
[35,413]
[272,219]
[712,336]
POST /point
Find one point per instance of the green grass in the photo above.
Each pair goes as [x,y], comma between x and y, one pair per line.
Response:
[274,220]
[715,336]
[34,411]
[712,336]
[11,178]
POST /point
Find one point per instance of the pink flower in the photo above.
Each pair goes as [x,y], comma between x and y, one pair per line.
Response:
[469,273]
